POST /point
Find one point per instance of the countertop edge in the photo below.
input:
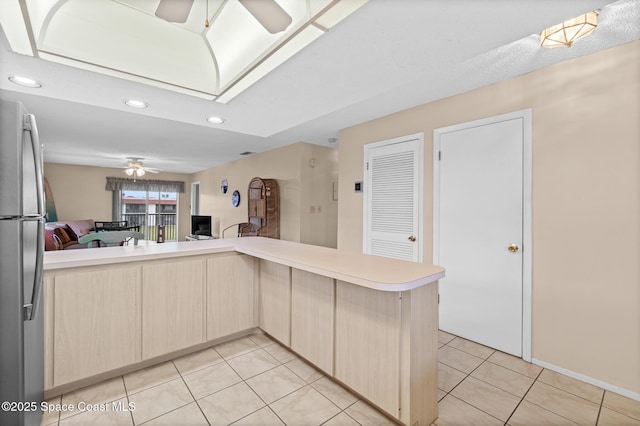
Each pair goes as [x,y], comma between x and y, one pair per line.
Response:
[141,253]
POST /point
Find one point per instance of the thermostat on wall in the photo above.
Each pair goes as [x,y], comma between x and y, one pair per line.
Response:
[358,186]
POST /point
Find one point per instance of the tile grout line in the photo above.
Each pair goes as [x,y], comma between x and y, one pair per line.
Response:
[466,377]
[175,409]
[248,385]
[190,393]
[126,393]
[467,374]
[600,409]
[349,406]
[224,360]
[261,399]
[523,397]
[536,379]
[572,393]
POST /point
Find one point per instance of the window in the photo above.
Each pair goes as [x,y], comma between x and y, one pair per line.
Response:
[148,204]
[150,209]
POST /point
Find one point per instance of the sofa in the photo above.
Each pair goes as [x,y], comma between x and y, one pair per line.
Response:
[64,235]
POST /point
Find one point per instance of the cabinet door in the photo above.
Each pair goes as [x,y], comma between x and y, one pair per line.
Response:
[312,309]
[231,293]
[95,322]
[275,301]
[368,343]
[173,297]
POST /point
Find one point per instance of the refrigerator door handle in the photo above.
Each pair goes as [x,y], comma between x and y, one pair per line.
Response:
[30,126]
[30,309]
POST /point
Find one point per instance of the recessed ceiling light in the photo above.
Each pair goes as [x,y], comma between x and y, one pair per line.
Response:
[24,81]
[133,103]
[215,120]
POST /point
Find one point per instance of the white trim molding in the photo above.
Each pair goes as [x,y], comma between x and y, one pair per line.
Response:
[606,386]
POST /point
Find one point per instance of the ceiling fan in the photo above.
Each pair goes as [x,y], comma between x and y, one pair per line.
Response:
[267,12]
[136,169]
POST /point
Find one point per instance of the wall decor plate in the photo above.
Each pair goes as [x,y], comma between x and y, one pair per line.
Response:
[235,198]
[224,186]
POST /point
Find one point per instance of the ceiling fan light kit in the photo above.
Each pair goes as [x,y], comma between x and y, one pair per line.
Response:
[227,46]
[135,168]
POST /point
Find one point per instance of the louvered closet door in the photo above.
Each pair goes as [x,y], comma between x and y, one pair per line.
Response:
[393,198]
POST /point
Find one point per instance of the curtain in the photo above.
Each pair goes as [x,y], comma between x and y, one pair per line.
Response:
[119,184]
[116,206]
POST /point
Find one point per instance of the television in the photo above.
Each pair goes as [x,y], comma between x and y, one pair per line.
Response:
[201,225]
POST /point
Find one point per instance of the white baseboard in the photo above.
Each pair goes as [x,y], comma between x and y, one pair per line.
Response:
[590,380]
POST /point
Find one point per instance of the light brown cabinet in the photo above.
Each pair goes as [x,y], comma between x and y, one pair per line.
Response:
[312,314]
[173,295]
[231,293]
[103,320]
[393,334]
[96,322]
[367,341]
[275,300]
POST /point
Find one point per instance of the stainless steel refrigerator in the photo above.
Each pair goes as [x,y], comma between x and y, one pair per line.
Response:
[21,254]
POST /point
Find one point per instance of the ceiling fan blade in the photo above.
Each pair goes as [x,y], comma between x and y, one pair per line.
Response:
[174,10]
[269,13]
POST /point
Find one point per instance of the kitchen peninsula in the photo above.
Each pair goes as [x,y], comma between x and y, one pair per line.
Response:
[366,321]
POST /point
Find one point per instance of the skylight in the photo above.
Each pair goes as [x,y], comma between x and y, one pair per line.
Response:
[126,38]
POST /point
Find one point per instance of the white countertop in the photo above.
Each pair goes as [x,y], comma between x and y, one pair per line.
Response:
[374,272]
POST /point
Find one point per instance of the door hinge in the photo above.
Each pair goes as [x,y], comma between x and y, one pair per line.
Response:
[438,298]
[439,155]
[367,165]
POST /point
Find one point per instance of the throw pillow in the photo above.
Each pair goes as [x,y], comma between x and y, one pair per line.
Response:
[72,235]
[62,234]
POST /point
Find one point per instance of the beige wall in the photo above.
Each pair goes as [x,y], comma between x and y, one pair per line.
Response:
[586,202]
[300,187]
[318,210]
[78,192]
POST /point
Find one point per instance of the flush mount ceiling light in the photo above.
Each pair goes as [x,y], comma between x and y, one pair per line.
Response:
[245,40]
[24,81]
[566,33]
[215,120]
[133,103]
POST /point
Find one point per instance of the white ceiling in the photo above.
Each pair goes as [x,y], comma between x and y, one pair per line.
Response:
[386,57]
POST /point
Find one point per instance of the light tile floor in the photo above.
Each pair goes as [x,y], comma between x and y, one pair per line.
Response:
[481,386]
[255,381]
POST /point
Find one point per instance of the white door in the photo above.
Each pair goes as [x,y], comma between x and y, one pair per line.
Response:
[393,198]
[478,230]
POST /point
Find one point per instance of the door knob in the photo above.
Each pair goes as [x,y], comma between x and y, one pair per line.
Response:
[513,248]
[412,238]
